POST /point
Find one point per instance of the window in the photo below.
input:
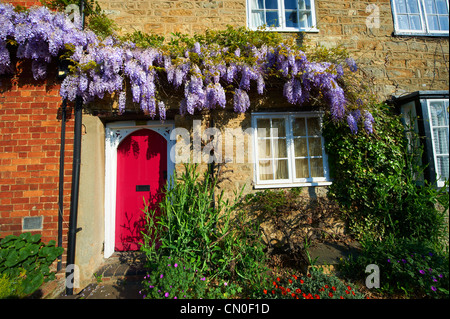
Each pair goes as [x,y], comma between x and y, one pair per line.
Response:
[289,150]
[439,128]
[282,15]
[425,17]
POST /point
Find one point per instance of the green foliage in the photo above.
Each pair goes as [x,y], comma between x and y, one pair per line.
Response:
[315,285]
[375,180]
[12,287]
[174,279]
[273,202]
[407,266]
[96,20]
[25,256]
[197,227]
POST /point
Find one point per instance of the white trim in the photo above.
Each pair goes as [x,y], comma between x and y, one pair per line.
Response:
[425,31]
[115,132]
[439,181]
[292,181]
[282,28]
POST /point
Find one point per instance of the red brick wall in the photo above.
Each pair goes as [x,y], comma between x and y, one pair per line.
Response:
[30,140]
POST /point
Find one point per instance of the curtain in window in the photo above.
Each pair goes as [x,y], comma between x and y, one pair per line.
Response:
[257,13]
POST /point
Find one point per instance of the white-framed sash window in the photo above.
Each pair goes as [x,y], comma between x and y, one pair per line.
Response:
[289,150]
[421,17]
[438,118]
[282,15]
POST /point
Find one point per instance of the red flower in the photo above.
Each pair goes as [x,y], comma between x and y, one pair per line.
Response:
[274,283]
[342,297]
[278,279]
[347,292]
[334,288]
[295,277]
[293,295]
[317,296]
[353,293]
[309,275]
[326,286]
[301,281]
[298,290]
[265,291]
[290,281]
[273,292]
[330,294]
[349,288]
[288,290]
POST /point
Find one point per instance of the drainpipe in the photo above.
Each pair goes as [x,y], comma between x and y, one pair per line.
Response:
[75,185]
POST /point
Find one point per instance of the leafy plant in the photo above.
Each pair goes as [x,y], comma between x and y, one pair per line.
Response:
[25,256]
[196,226]
[314,285]
[407,266]
[174,279]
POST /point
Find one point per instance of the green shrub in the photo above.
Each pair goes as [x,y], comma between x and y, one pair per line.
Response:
[375,181]
[26,257]
[407,266]
[173,279]
[202,229]
[12,287]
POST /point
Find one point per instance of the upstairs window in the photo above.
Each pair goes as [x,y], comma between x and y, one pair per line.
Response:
[282,15]
[420,17]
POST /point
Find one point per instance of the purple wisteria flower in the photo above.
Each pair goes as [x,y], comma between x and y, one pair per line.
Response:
[422,271]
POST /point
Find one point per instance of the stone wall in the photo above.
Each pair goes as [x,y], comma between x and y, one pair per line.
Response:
[393,65]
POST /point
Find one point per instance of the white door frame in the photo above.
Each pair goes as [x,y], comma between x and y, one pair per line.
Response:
[115,132]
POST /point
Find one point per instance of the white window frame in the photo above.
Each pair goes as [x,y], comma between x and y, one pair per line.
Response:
[425,31]
[281,17]
[440,182]
[291,181]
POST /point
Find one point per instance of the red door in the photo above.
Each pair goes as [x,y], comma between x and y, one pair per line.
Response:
[141,173]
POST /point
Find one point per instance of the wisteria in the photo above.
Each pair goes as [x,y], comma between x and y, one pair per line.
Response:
[207,75]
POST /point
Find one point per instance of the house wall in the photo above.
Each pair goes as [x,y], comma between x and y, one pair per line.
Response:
[393,65]
[30,136]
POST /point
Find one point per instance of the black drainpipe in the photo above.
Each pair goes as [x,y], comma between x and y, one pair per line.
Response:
[75,182]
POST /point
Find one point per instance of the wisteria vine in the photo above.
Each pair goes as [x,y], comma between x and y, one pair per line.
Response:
[207,73]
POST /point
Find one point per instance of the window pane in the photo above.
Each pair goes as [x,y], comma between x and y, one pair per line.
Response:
[290,4]
[440,140]
[413,6]
[403,22]
[443,169]
[279,146]
[443,21]
[281,169]
[433,23]
[258,4]
[315,146]
[441,6]
[313,126]
[416,23]
[301,168]
[264,150]
[300,147]
[429,6]
[263,126]
[401,6]
[291,19]
[439,115]
[257,19]
[279,127]
[298,127]
[265,170]
[272,19]
[271,4]
[316,167]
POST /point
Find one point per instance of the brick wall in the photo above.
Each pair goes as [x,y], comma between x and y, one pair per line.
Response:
[29,154]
